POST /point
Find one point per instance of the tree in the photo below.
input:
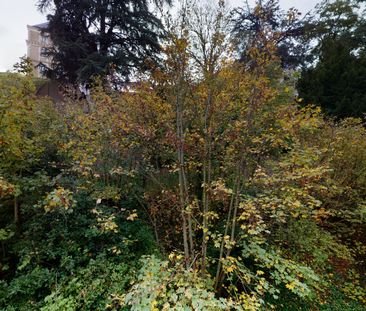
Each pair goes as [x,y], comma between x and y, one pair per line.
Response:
[26,137]
[337,79]
[266,22]
[100,38]
[24,66]
[338,82]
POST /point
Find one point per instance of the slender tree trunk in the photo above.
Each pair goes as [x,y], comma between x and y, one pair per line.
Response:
[206,180]
[235,213]
[3,248]
[183,191]
[16,214]
[189,214]
[227,226]
[231,222]
[184,217]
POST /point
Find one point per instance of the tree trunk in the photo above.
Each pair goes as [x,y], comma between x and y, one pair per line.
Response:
[227,226]
[183,191]
[206,180]
[16,214]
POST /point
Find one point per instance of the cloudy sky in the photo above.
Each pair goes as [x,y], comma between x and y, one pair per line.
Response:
[15,15]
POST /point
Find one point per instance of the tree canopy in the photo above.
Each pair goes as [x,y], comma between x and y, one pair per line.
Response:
[336,77]
[266,21]
[100,37]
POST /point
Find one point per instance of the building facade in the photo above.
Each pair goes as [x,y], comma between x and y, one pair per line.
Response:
[38,42]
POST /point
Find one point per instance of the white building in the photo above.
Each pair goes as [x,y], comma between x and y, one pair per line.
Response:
[38,41]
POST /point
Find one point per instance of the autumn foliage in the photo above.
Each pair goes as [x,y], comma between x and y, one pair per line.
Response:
[232,195]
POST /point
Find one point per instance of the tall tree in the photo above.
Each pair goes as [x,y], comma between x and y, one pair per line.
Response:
[267,22]
[100,37]
[337,79]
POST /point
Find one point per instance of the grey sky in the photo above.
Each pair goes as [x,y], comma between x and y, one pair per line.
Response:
[303,5]
[16,14]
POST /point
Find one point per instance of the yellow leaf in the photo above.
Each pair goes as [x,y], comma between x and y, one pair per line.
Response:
[290,285]
[132,217]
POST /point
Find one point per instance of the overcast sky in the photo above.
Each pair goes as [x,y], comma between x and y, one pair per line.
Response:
[15,15]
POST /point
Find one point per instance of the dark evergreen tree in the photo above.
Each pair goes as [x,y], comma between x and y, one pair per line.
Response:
[100,37]
[336,80]
[337,83]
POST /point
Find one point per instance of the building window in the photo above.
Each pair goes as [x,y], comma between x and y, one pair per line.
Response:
[42,69]
[44,52]
[44,39]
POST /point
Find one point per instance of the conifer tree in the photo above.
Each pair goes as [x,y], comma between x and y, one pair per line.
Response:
[100,37]
[336,79]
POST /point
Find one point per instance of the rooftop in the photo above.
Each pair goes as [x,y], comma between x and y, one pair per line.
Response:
[42,26]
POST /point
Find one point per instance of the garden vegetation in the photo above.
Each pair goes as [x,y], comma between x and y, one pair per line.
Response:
[207,184]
